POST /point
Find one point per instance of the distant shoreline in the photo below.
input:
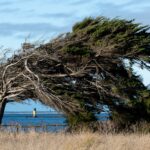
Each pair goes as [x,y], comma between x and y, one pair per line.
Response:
[30,112]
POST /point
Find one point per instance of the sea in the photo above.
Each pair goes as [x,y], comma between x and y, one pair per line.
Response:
[49,121]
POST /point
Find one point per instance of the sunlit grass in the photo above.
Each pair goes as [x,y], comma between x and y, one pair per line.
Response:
[76,141]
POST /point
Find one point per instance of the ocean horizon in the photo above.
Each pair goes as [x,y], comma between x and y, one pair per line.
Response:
[54,120]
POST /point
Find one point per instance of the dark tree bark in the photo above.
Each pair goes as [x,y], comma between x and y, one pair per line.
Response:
[2,109]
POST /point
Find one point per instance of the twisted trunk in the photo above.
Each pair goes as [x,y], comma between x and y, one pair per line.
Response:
[2,108]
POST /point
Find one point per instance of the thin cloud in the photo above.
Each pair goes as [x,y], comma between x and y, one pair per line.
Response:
[116,2]
[9,10]
[137,7]
[79,2]
[56,15]
[6,3]
[113,2]
[9,29]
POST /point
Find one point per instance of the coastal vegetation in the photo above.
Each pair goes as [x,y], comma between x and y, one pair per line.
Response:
[81,141]
[80,72]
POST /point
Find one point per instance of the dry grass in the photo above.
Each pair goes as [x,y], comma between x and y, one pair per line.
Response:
[80,141]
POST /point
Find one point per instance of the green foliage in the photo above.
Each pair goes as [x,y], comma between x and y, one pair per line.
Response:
[80,118]
[83,24]
[77,49]
[110,42]
[119,35]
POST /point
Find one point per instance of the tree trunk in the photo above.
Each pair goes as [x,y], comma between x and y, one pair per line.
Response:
[2,108]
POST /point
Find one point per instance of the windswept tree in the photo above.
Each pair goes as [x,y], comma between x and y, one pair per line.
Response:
[96,68]
[92,66]
[18,82]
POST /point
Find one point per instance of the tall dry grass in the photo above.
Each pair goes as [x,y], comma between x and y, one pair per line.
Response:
[76,141]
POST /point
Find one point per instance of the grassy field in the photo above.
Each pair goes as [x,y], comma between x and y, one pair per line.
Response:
[80,141]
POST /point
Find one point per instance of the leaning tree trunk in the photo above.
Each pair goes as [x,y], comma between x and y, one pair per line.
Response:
[2,108]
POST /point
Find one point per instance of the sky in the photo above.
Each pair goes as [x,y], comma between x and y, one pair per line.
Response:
[42,20]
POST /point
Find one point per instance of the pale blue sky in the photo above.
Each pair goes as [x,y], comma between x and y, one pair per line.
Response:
[45,19]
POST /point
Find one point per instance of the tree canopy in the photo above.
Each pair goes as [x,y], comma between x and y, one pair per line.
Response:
[81,71]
